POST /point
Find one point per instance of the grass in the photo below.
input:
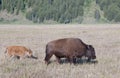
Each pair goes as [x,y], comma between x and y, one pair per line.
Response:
[104,37]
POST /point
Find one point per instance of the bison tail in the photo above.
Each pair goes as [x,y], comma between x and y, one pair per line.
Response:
[46,50]
[46,53]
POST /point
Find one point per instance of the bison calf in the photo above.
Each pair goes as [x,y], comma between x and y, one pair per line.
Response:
[19,51]
[70,48]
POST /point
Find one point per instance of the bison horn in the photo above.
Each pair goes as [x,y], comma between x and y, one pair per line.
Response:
[89,46]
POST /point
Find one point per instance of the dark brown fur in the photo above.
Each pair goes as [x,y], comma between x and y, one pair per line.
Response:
[69,48]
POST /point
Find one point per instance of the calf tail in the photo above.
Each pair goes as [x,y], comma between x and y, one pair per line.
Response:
[5,48]
[5,51]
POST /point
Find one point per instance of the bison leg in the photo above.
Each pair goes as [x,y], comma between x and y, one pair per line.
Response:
[47,58]
[89,59]
[70,59]
[58,59]
[74,60]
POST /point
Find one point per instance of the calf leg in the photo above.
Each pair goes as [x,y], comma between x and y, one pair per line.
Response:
[18,57]
[13,57]
[21,57]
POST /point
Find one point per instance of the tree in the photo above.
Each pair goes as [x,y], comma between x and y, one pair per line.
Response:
[112,12]
[0,4]
[40,10]
[110,8]
[97,14]
[117,18]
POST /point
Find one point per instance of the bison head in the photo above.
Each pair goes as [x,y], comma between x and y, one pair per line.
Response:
[90,52]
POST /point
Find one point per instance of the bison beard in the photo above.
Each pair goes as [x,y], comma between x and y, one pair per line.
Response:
[70,48]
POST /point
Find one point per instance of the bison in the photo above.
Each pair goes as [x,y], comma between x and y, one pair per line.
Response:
[70,48]
[19,52]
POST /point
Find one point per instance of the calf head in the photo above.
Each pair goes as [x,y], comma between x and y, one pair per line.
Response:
[29,53]
[90,52]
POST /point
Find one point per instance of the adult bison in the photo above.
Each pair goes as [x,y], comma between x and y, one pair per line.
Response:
[19,51]
[70,48]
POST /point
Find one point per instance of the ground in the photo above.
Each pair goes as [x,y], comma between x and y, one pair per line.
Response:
[104,37]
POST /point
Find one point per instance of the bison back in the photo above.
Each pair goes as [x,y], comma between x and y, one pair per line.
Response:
[67,47]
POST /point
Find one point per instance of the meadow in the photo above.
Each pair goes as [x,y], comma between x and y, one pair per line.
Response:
[104,37]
